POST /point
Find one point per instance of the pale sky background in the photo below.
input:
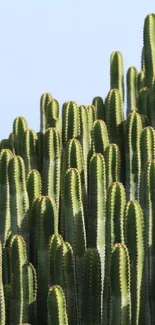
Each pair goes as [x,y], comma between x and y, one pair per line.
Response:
[63,47]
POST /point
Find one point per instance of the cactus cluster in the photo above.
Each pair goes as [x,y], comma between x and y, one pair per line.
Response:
[77,207]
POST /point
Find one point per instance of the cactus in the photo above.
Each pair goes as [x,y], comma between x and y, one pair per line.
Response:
[44,100]
[117,73]
[148,206]
[29,150]
[132,75]
[141,82]
[147,145]
[53,115]
[143,96]
[19,128]
[61,272]
[112,163]
[44,224]
[115,209]
[56,305]
[97,207]
[5,219]
[149,48]
[100,137]
[114,116]
[2,297]
[51,164]
[34,186]
[19,203]
[100,107]
[91,288]
[134,239]
[133,155]
[18,259]
[70,122]
[75,232]
[120,286]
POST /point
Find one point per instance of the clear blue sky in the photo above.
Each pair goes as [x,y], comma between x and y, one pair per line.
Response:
[63,47]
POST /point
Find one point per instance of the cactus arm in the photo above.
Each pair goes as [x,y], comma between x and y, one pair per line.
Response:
[149,47]
[132,92]
[117,73]
[120,286]
[134,233]
[56,305]
[91,287]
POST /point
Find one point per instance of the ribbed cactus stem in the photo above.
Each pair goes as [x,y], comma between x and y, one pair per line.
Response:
[2,299]
[114,116]
[134,239]
[149,47]
[143,101]
[141,80]
[92,116]
[117,73]
[151,103]
[115,208]
[5,216]
[70,121]
[51,164]
[52,111]
[44,225]
[112,163]
[132,75]
[120,286]
[18,259]
[34,185]
[30,292]
[147,145]
[19,203]
[100,107]
[133,155]
[29,150]
[75,232]
[91,288]
[19,128]
[56,305]
[97,207]
[100,136]
[148,206]
[61,272]
[44,100]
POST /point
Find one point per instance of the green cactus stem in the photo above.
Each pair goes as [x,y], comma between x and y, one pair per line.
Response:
[19,202]
[149,48]
[112,163]
[141,82]
[2,297]
[133,155]
[44,100]
[115,209]
[114,116]
[19,127]
[100,136]
[91,288]
[29,150]
[132,91]
[134,239]
[120,286]
[147,200]
[117,73]
[70,121]
[51,164]
[56,305]
[100,107]
[5,219]
[147,145]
